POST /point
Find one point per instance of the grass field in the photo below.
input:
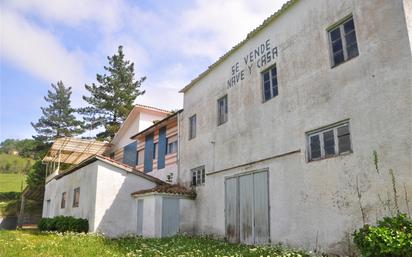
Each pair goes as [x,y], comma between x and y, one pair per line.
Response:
[33,243]
[11,182]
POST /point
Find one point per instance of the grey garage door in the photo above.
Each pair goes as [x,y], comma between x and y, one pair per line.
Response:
[247,208]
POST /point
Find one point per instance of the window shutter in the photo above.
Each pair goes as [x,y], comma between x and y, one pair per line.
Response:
[148,153]
[161,148]
[129,154]
[344,139]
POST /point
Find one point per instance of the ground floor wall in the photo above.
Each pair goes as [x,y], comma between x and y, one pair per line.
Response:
[311,206]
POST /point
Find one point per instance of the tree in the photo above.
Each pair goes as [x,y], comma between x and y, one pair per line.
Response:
[112,97]
[58,118]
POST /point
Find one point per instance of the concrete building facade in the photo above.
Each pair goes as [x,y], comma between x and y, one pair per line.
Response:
[279,135]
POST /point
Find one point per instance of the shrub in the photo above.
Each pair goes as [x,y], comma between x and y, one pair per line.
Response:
[391,237]
[63,224]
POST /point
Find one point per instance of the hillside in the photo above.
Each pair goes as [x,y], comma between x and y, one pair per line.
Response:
[14,164]
[11,182]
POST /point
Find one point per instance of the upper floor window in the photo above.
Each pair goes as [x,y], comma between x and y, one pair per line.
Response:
[63,202]
[328,142]
[222,110]
[270,83]
[155,150]
[343,43]
[198,176]
[171,145]
[139,157]
[76,197]
[192,127]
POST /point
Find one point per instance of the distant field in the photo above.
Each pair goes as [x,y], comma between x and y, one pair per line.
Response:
[11,182]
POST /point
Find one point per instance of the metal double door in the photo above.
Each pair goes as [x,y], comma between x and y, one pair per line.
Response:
[247,208]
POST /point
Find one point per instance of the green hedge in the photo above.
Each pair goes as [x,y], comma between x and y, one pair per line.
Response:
[391,237]
[63,224]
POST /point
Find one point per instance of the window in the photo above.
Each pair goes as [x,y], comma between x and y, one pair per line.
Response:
[222,110]
[155,151]
[192,127]
[270,83]
[140,157]
[63,203]
[112,155]
[198,176]
[171,145]
[328,142]
[76,197]
[343,43]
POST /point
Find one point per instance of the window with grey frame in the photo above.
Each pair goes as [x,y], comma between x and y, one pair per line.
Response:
[171,145]
[139,157]
[222,110]
[270,83]
[343,42]
[76,197]
[63,202]
[198,176]
[192,127]
[329,142]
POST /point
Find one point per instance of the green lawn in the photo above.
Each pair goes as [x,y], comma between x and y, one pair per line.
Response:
[33,243]
[11,182]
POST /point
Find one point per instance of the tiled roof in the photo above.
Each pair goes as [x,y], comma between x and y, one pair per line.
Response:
[151,108]
[168,189]
[241,43]
[115,163]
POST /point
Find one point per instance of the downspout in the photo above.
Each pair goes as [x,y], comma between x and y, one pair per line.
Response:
[178,148]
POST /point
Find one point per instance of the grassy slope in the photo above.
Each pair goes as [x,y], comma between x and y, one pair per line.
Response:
[14,164]
[11,182]
[25,243]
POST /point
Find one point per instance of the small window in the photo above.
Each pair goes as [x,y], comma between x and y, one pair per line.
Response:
[155,150]
[192,127]
[222,110]
[328,142]
[343,43]
[76,197]
[198,176]
[140,157]
[63,202]
[270,83]
[171,145]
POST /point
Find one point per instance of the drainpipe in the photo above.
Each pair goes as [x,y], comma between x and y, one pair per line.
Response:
[178,148]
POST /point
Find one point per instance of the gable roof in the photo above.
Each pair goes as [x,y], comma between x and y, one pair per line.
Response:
[251,34]
[114,163]
[138,108]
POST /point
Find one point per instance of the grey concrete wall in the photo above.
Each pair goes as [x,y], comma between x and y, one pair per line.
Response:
[309,201]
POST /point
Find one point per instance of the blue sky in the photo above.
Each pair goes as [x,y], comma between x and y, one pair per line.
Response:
[170,42]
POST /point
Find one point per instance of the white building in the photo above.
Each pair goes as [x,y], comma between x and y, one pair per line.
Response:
[277,137]
[279,133]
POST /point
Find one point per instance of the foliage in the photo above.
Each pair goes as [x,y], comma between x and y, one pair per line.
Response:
[36,175]
[28,148]
[14,164]
[7,196]
[391,237]
[12,207]
[58,118]
[32,243]
[112,98]
[64,224]
[11,182]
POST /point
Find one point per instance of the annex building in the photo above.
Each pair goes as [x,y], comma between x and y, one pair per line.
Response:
[294,136]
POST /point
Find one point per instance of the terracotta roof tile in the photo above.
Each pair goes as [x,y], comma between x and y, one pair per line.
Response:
[168,189]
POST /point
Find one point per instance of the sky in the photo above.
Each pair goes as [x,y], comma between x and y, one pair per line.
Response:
[170,42]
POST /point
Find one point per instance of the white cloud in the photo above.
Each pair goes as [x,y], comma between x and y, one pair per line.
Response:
[37,51]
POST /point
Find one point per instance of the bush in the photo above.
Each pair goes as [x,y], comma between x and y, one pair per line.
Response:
[63,224]
[8,196]
[391,237]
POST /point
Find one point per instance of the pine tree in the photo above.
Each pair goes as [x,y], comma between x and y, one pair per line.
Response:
[112,97]
[58,118]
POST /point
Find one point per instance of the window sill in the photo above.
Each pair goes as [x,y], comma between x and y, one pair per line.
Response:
[346,61]
[330,157]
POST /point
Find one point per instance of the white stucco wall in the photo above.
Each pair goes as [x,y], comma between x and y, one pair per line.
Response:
[86,179]
[116,211]
[374,91]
